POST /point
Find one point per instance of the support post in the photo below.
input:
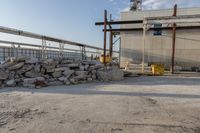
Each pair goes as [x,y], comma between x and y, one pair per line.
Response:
[111,44]
[173,40]
[143,44]
[61,50]
[44,49]
[105,36]
[111,38]
[83,53]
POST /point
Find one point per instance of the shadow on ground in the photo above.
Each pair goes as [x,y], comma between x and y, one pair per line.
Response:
[144,81]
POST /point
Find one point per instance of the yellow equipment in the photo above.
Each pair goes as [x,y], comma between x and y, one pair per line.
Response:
[108,59]
[158,69]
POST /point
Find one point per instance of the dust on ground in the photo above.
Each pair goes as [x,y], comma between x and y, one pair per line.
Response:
[136,105]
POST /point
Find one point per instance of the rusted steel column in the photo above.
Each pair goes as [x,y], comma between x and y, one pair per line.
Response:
[111,38]
[111,44]
[105,35]
[173,40]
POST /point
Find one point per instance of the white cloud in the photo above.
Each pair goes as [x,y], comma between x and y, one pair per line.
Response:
[164,4]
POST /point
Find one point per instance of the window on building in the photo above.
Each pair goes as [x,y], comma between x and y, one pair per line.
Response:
[157,32]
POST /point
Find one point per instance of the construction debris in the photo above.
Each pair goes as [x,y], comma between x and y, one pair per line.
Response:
[35,73]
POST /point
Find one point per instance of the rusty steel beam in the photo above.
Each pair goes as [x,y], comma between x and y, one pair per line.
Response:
[111,44]
[120,22]
[161,28]
[173,39]
[105,37]
[111,39]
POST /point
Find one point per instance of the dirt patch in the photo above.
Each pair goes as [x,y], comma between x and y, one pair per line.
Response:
[15,115]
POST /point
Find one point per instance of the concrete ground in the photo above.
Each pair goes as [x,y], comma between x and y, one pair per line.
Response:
[136,105]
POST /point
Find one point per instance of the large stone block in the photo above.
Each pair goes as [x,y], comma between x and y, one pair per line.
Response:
[68,73]
[10,83]
[32,74]
[55,83]
[16,66]
[31,61]
[29,80]
[57,74]
[110,75]
[25,69]
[3,75]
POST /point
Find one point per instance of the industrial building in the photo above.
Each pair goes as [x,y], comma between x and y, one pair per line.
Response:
[158,44]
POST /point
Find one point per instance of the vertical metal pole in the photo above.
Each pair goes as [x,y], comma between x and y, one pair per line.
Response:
[111,39]
[120,47]
[61,50]
[4,54]
[174,39]
[44,48]
[143,44]
[105,29]
[111,43]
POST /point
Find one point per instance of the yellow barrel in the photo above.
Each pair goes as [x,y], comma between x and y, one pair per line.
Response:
[158,69]
[108,59]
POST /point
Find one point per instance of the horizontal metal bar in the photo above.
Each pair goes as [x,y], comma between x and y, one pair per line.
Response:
[173,17]
[120,22]
[161,28]
[170,21]
[38,46]
[47,38]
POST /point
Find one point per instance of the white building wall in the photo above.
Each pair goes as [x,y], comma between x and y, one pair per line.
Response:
[158,49]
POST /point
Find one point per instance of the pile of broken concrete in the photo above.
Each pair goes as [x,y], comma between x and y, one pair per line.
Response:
[37,73]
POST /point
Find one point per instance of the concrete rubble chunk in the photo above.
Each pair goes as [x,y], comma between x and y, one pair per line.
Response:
[61,69]
[11,75]
[49,68]
[29,80]
[68,73]
[37,68]
[6,65]
[73,81]
[1,84]
[35,73]
[31,61]
[40,79]
[63,79]
[3,75]
[81,75]
[16,66]
[110,75]
[32,86]
[57,74]
[67,61]
[19,59]
[25,69]
[73,65]
[31,74]
[55,83]
[11,83]
[81,68]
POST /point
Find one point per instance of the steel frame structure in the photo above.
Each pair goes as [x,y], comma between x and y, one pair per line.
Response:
[173,20]
[44,38]
[147,23]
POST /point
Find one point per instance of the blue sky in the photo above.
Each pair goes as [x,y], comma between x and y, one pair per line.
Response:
[71,19]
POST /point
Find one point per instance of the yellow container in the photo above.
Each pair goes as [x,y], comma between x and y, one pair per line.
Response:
[108,59]
[158,69]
